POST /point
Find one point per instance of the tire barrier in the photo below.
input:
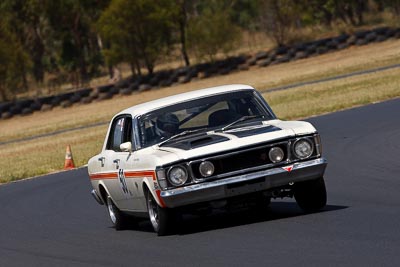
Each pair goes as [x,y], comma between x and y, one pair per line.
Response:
[26,111]
[105,96]
[65,104]
[36,105]
[46,107]
[4,110]
[144,87]
[184,75]
[86,100]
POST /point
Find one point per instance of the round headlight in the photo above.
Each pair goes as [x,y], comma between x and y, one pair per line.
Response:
[276,154]
[177,175]
[303,148]
[206,168]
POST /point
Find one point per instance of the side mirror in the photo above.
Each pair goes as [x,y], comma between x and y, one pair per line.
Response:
[126,147]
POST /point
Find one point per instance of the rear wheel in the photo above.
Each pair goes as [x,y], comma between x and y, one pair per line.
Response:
[162,219]
[311,195]
[118,219]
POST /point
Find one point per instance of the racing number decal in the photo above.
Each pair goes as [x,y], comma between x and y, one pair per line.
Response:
[122,181]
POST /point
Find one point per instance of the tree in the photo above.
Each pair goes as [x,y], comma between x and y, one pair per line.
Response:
[316,12]
[25,21]
[14,61]
[351,12]
[74,36]
[211,30]
[394,5]
[138,32]
[245,14]
[278,18]
[181,16]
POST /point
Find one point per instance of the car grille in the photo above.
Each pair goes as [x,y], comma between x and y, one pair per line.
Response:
[247,160]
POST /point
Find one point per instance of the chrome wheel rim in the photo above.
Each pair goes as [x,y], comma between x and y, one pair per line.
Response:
[111,211]
[153,212]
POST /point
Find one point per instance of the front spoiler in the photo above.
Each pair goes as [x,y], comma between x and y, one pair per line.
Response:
[244,183]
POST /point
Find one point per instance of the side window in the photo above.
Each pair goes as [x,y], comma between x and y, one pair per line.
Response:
[120,132]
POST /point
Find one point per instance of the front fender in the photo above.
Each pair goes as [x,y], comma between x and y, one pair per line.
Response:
[103,191]
[154,189]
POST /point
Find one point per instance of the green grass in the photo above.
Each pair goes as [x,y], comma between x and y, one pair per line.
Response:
[46,155]
[335,95]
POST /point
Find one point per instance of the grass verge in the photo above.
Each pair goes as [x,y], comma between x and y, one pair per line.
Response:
[335,95]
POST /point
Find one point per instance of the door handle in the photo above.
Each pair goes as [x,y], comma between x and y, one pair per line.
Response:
[116,161]
[102,161]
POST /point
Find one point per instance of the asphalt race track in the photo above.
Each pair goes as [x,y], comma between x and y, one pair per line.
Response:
[53,220]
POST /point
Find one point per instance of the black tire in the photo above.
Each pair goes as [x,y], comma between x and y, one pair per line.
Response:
[118,219]
[162,219]
[311,195]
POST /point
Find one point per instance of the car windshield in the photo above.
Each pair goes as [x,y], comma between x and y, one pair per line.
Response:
[201,115]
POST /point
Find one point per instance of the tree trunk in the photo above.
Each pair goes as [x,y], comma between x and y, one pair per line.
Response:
[80,46]
[360,8]
[38,51]
[3,94]
[183,46]
[182,29]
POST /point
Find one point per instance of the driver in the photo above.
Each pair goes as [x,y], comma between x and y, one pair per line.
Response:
[167,125]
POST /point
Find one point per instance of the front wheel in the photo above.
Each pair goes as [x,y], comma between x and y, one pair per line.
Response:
[311,195]
[162,219]
[118,219]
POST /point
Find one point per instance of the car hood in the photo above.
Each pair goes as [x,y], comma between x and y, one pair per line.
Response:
[199,145]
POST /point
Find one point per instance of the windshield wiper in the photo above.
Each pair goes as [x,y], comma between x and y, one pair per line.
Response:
[241,119]
[179,135]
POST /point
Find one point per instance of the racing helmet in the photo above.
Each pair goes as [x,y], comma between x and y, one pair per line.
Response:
[167,125]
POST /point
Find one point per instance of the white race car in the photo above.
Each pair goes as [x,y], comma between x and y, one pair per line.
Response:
[212,148]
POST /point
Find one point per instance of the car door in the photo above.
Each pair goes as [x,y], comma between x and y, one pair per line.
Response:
[120,188]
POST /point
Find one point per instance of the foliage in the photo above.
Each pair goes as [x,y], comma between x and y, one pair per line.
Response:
[14,62]
[393,5]
[244,13]
[211,31]
[77,40]
[25,21]
[136,32]
[76,49]
[278,18]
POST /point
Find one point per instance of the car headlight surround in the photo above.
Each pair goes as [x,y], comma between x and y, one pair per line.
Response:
[177,175]
[303,148]
[276,154]
[206,168]
[162,179]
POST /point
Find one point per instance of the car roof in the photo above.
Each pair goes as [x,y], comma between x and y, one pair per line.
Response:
[174,99]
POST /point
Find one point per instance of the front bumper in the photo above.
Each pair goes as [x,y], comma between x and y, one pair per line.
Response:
[244,184]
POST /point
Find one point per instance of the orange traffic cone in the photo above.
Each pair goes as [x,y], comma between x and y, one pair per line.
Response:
[69,161]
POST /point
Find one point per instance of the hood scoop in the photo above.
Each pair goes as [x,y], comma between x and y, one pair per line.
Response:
[245,132]
[197,141]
